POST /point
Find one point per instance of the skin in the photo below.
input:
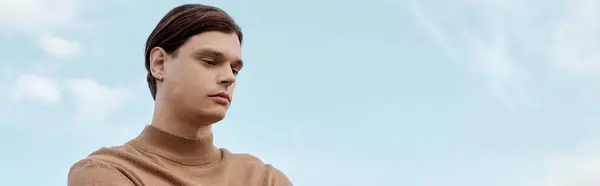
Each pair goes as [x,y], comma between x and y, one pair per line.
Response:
[204,65]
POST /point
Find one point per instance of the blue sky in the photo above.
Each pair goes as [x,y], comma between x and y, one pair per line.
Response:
[336,93]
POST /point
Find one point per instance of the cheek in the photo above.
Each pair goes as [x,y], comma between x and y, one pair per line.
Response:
[198,80]
[231,89]
[182,78]
[175,71]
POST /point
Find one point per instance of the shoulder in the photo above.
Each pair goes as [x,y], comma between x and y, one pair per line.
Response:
[279,178]
[95,172]
[252,164]
[248,161]
[99,168]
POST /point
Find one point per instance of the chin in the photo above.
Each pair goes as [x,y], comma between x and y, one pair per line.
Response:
[212,115]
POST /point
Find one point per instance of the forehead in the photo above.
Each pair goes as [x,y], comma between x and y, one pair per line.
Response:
[226,43]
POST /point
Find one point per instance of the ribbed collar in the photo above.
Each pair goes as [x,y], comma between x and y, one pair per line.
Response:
[183,150]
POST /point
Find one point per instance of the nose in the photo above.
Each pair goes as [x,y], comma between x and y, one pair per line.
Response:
[227,78]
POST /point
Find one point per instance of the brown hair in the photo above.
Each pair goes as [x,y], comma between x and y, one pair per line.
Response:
[181,23]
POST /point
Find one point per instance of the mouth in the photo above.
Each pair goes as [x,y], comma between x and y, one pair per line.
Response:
[221,97]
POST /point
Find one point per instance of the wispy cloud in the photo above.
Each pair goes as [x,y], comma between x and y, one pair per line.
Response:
[487,51]
[431,27]
[579,168]
[575,42]
[576,39]
[37,16]
[59,47]
[512,41]
[36,88]
[40,20]
[504,76]
[94,100]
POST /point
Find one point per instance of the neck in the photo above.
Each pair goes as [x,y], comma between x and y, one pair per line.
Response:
[179,126]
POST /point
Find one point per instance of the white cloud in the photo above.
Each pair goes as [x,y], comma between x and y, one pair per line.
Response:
[574,169]
[489,51]
[59,47]
[576,40]
[37,16]
[36,88]
[512,42]
[96,101]
[39,19]
[504,76]
[497,65]
[432,29]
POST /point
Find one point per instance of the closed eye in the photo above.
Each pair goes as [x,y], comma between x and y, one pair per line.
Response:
[210,62]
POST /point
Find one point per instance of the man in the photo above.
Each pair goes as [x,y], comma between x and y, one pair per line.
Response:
[192,57]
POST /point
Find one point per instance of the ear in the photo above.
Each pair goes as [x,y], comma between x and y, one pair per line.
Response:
[158,56]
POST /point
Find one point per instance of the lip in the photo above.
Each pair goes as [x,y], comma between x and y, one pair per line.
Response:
[221,97]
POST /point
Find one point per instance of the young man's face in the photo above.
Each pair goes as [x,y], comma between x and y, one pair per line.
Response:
[199,79]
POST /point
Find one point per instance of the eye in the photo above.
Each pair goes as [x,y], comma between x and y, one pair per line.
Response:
[235,71]
[210,61]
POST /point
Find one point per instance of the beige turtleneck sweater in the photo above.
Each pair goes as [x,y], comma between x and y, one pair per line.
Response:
[157,158]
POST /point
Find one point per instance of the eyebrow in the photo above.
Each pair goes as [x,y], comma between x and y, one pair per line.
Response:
[207,52]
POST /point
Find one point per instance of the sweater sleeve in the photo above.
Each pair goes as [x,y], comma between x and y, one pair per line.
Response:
[90,172]
[280,179]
